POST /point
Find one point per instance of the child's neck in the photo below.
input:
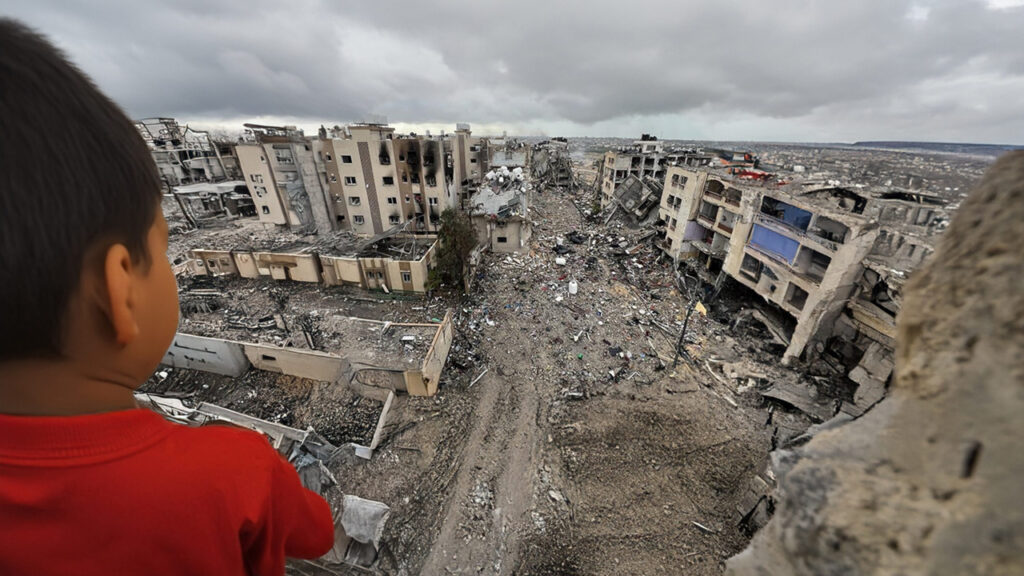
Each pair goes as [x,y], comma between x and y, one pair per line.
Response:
[51,387]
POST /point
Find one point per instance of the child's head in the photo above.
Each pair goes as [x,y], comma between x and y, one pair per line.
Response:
[83,266]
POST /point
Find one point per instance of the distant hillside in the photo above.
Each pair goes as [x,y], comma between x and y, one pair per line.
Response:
[952,147]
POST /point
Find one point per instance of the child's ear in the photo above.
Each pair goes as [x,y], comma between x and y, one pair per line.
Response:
[118,273]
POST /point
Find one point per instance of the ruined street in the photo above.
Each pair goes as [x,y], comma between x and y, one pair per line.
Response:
[574,452]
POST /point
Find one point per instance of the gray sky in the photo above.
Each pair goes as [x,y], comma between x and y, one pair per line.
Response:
[785,70]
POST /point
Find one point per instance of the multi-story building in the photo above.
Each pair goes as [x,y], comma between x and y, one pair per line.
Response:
[645,158]
[469,160]
[280,169]
[825,255]
[363,177]
[186,156]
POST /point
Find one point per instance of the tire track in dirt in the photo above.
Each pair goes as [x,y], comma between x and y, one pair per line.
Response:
[492,491]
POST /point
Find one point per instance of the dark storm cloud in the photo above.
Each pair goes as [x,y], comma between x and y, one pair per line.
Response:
[807,70]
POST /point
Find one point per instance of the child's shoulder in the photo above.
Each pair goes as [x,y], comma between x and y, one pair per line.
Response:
[223,446]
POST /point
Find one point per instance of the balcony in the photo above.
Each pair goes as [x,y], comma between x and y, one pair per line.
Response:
[706,248]
[723,227]
[706,221]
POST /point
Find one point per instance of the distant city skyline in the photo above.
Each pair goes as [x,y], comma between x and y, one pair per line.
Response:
[924,70]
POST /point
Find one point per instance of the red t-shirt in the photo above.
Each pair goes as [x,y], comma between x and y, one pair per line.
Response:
[131,493]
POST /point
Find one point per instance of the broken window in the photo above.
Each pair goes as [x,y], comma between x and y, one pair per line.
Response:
[787,213]
[415,178]
[358,219]
[334,178]
[283,155]
[796,296]
[350,180]
[502,239]
[259,190]
[708,212]
[328,157]
[389,181]
[431,181]
[394,219]
[346,159]
[353,200]
[266,209]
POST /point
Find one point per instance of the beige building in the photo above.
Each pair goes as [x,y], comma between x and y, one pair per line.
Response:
[500,211]
[645,158]
[470,158]
[834,259]
[279,165]
[398,263]
[379,180]
[363,177]
[799,248]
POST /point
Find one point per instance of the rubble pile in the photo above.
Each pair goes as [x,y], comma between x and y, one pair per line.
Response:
[334,412]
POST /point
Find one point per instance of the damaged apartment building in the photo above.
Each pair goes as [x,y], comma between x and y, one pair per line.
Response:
[499,210]
[362,177]
[186,156]
[550,163]
[646,159]
[832,259]
[391,262]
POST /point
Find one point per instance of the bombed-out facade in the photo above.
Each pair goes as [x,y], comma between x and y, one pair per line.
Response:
[832,258]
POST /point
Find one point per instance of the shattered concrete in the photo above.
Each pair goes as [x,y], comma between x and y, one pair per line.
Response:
[927,482]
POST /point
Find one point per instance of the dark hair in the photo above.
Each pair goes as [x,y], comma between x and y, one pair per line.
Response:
[74,172]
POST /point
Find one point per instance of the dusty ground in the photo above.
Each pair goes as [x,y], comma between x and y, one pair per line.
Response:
[576,452]
[548,464]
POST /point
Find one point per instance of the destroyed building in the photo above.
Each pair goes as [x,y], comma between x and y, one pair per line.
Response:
[499,211]
[185,155]
[204,202]
[831,258]
[389,263]
[637,198]
[280,170]
[550,163]
[645,158]
[508,152]
[362,177]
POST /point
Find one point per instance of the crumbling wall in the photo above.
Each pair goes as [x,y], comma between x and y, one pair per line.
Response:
[206,354]
[927,482]
[302,363]
[437,355]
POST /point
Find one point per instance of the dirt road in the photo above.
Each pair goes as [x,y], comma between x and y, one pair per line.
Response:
[614,479]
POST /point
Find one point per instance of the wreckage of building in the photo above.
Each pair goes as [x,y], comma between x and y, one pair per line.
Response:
[499,210]
[550,164]
[363,177]
[205,202]
[508,152]
[186,156]
[831,258]
[390,263]
[646,158]
[400,357]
